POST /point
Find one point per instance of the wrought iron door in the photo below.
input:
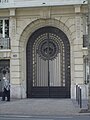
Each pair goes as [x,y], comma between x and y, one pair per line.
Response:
[48,64]
[4,71]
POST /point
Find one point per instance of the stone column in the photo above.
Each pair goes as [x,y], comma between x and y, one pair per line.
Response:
[77,48]
[15,59]
[78,54]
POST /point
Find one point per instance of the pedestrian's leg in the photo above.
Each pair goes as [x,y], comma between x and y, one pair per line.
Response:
[3,96]
[8,95]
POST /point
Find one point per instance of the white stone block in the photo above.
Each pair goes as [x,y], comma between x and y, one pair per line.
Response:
[78,61]
[79,80]
[78,67]
[79,74]
[77,8]
[15,48]
[15,62]
[14,43]
[73,91]
[78,54]
[23,89]
[77,48]
[78,42]
[15,91]
[16,68]
[15,74]
[12,12]
[15,80]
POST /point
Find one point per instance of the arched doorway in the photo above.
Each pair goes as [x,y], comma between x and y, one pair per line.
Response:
[48,64]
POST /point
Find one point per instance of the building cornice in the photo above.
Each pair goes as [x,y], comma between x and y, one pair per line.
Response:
[38,3]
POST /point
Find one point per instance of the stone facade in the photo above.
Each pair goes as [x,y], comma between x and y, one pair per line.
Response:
[25,21]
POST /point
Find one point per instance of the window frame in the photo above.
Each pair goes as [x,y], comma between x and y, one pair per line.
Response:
[3,27]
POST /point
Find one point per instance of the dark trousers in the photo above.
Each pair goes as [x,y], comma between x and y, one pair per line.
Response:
[6,93]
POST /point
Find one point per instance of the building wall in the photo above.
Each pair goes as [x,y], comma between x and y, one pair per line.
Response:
[24,21]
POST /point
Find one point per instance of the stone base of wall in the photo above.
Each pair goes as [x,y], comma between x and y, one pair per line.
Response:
[84,90]
[15,91]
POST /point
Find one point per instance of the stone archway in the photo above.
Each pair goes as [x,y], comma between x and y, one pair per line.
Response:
[31,28]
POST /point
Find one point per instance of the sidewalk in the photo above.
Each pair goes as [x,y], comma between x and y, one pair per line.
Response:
[34,107]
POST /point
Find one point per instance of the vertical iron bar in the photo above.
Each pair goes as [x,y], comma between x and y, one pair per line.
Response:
[48,56]
[80,98]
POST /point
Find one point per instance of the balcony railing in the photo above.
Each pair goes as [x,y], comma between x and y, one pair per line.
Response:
[4,1]
[4,43]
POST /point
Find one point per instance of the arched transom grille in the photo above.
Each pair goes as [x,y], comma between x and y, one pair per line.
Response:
[48,47]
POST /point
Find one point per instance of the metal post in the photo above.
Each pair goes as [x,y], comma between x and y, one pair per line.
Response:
[80,97]
[89,52]
[76,92]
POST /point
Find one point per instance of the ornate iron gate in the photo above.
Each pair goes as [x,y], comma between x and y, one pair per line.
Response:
[48,64]
[4,71]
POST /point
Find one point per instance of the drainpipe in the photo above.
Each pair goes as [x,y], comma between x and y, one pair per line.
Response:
[88,22]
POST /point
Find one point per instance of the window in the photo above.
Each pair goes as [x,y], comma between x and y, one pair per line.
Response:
[4,28]
[86,64]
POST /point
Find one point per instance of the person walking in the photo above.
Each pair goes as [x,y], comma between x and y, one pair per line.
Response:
[6,89]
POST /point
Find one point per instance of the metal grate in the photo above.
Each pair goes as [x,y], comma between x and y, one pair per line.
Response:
[4,71]
[48,64]
[4,43]
[85,40]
